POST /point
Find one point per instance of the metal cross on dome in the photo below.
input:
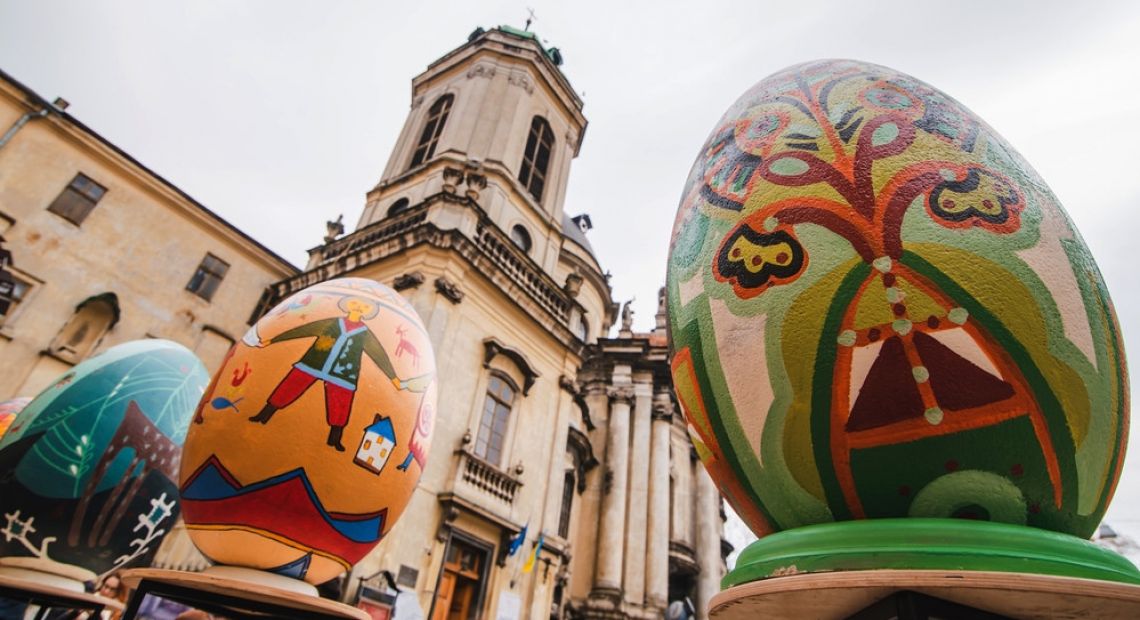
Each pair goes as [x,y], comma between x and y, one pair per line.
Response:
[530,18]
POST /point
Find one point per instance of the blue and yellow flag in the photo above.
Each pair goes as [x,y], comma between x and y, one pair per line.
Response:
[517,541]
[533,559]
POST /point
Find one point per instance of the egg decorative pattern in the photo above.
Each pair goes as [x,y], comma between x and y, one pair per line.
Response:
[312,435]
[88,469]
[878,309]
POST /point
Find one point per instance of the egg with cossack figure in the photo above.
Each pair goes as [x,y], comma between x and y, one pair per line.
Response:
[878,309]
[312,435]
[89,467]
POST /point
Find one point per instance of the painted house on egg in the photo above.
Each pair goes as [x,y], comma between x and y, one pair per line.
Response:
[376,447]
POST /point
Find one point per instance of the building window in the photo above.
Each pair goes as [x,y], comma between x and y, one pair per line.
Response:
[521,238]
[13,290]
[437,118]
[567,504]
[493,423]
[209,275]
[398,207]
[536,158]
[77,199]
[93,318]
[582,330]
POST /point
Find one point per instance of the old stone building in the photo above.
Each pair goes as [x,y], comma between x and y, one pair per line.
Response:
[550,431]
[103,251]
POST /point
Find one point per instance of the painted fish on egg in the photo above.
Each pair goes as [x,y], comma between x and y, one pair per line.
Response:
[878,309]
[310,439]
[90,464]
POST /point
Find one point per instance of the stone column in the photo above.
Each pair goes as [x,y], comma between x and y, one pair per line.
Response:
[683,492]
[657,552]
[611,543]
[708,541]
[584,529]
[636,523]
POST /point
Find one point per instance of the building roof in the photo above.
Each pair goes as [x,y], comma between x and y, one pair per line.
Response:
[37,100]
[571,230]
[554,54]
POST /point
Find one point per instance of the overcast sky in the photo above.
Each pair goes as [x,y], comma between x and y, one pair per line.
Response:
[281,115]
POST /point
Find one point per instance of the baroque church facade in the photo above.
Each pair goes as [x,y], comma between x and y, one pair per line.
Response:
[550,430]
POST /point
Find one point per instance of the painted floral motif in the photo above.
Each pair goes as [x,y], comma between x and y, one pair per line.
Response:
[871,296]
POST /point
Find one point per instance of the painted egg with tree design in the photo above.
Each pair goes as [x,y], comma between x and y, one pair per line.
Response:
[89,468]
[310,439]
[878,309]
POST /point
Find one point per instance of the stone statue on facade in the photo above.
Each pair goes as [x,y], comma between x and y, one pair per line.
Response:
[334,229]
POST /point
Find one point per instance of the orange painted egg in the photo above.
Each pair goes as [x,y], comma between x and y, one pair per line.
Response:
[89,468]
[878,309]
[313,434]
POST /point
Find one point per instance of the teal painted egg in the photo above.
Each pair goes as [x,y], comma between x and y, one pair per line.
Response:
[878,309]
[89,467]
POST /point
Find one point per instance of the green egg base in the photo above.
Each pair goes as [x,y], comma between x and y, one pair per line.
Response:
[927,544]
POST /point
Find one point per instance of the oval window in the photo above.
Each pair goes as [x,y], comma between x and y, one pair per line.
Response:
[521,238]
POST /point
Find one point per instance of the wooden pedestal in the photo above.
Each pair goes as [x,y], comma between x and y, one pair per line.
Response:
[224,592]
[838,595]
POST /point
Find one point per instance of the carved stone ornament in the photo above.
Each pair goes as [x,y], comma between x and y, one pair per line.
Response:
[621,393]
[450,514]
[417,101]
[452,178]
[475,184]
[663,406]
[449,289]
[408,280]
[573,284]
[522,80]
[481,70]
[334,228]
[576,392]
[492,347]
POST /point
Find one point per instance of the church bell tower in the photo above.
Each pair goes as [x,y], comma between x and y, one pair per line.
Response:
[468,223]
[494,120]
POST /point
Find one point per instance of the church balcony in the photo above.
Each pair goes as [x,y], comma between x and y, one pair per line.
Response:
[480,242]
[507,257]
[485,484]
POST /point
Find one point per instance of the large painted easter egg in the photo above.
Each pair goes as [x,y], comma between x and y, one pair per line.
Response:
[878,309]
[9,409]
[313,434]
[88,469]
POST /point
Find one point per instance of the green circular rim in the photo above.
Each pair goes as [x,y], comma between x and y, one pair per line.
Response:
[927,544]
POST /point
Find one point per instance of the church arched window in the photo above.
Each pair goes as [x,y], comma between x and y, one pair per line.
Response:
[433,127]
[536,157]
[493,421]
